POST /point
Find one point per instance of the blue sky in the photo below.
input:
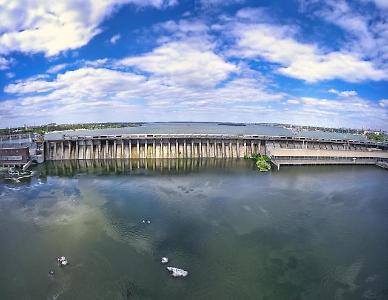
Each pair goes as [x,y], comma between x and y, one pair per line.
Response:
[309,62]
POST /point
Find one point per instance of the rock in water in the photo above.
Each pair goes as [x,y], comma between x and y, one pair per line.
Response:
[176,272]
[164,260]
[62,261]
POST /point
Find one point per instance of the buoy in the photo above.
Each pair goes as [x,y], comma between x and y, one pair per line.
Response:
[62,261]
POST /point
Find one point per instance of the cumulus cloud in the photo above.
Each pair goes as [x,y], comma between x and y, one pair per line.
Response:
[343,93]
[364,33]
[183,63]
[197,71]
[355,111]
[51,27]
[123,94]
[277,44]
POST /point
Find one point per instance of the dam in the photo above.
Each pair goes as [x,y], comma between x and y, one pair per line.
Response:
[283,150]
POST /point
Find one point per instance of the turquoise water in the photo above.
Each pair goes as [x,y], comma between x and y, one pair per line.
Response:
[300,233]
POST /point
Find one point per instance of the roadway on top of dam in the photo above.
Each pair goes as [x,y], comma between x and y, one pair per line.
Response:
[212,129]
[151,136]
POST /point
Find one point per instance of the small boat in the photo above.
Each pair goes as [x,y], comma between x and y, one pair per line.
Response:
[164,260]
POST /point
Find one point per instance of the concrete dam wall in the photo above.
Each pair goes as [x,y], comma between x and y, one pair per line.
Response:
[185,146]
[139,148]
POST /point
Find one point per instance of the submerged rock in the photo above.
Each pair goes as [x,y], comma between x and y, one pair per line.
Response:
[176,272]
[164,260]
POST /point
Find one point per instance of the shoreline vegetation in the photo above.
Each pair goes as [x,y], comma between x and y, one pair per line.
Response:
[378,137]
[263,162]
[62,127]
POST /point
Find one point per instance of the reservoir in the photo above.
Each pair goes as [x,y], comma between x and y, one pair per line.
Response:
[210,128]
[299,233]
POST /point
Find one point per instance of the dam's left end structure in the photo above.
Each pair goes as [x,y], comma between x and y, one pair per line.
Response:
[20,150]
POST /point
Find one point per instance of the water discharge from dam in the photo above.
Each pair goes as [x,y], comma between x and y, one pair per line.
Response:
[301,233]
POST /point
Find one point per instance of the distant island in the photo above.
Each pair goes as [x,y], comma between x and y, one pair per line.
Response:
[232,124]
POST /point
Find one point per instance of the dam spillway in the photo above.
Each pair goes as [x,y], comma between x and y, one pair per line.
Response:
[177,146]
[150,146]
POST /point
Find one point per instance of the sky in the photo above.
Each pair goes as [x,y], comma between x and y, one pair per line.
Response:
[307,62]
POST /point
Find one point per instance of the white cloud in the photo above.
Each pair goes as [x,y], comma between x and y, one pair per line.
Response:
[308,62]
[355,112]
[343,93]
[383,103]
[82,94]
[115,38]
[183,26]
[10,75]
[183,63]
[252,14]
[365,32]
[123,95]
[51,27]
[293,101]
[5,63]
[197,72]
[55,69]
[213,3]
[383,4]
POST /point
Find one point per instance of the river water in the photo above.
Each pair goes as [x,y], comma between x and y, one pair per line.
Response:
[298,233]
[209,128]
